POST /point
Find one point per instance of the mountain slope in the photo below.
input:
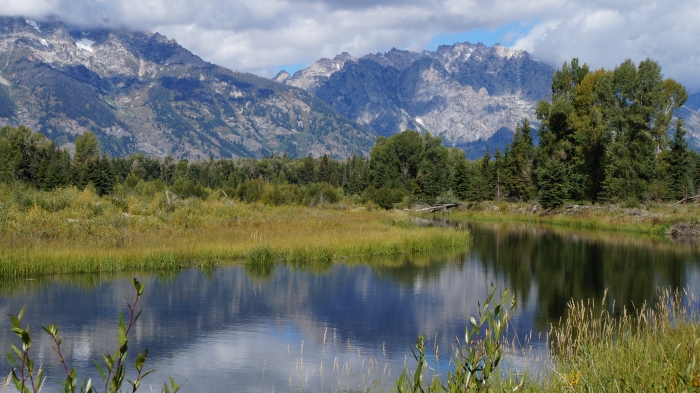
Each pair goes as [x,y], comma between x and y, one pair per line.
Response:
[140,92]
[465,93]
[471,95]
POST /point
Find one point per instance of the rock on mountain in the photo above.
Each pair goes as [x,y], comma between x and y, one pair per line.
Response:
[140,92]
[471,95]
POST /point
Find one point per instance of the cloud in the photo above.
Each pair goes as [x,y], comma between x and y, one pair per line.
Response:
[260,35]
[605,35]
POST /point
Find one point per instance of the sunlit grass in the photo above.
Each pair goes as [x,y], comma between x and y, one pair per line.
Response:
[88,234]
[601,348]
[647,349]
[649,219]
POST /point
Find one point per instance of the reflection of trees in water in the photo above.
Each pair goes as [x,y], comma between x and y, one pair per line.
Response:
[567,265]
[386,300]
[407,269]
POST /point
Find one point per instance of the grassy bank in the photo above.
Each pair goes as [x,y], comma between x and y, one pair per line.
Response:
[72,231]
[596,348]
[650,219]
[648,349]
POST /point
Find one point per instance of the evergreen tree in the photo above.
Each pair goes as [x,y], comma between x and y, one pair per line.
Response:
[518,170]
[86,154]
[325,172]
[498,174]
[56,170]
[679,165]
[101,175]
[462,181]
[307,173]
[552,183]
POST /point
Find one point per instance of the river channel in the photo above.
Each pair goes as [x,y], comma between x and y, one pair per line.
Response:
[348,324]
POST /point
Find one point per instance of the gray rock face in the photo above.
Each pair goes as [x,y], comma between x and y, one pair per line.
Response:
[141,92]
[465,93]
[471,95]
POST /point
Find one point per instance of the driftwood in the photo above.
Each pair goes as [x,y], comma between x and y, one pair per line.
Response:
[228,201]
[437,208]
[685,199]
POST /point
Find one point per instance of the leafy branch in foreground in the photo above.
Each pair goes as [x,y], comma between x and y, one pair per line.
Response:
[476,361]
[28,380]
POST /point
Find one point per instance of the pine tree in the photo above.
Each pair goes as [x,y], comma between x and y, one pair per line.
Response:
[308,171]
[679,165]
[101,175]
[552,183]
[518,170]
[462,180]
[325,171]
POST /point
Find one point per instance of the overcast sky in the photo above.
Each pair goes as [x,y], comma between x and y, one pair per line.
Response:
[264,36]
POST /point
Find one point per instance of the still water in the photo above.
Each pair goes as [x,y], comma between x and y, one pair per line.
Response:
[345,325]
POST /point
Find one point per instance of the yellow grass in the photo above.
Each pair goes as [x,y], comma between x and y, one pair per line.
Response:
[91,234]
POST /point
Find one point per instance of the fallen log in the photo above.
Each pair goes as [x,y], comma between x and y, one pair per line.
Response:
[437,208]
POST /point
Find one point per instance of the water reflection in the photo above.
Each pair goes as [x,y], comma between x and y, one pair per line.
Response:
[293,327]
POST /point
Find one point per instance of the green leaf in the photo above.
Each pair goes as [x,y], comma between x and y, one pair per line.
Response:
[26,340]
[21,313]
[139,287]
[109,362]
[140,360]
[121,336]
[17,351]
[102,372]
[138,314]
[11,359]
[15,321]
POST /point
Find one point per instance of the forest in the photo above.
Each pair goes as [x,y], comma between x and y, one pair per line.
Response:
[605,136]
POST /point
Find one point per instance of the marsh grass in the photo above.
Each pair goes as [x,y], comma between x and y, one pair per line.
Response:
[72,231]
[645,349]
[601,349]
[649,219]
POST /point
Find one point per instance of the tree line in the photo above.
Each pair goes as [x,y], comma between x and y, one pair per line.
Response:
[604,137]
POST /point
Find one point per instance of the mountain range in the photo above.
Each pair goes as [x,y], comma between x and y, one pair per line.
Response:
[142,92]
[466,93]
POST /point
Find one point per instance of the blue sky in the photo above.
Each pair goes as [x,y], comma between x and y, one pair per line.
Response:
[265,36]
[505,35]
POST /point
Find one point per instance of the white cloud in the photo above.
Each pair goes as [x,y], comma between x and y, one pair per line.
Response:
[604,36]
[260,35]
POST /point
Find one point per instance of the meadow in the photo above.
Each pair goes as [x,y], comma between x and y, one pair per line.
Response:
[72,231]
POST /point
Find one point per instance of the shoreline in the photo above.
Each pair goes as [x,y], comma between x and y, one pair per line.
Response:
[212,234]
[653,219]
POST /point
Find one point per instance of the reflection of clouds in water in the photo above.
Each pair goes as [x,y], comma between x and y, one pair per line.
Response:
[263,357]
[81,348]
[216,331]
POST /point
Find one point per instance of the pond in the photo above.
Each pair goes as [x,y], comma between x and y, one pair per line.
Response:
[349,324]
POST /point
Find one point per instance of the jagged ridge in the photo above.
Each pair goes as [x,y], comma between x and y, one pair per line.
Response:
[140,92]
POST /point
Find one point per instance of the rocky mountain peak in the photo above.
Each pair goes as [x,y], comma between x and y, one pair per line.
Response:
[281,76]
[142,92]
[317,73]
[466,93]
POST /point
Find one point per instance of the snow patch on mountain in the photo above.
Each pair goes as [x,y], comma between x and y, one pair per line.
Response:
[85,44]
[33,24]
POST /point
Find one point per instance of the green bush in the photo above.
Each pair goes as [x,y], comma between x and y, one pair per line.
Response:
[386,197]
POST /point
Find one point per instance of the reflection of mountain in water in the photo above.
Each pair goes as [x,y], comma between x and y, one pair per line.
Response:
[378,309]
